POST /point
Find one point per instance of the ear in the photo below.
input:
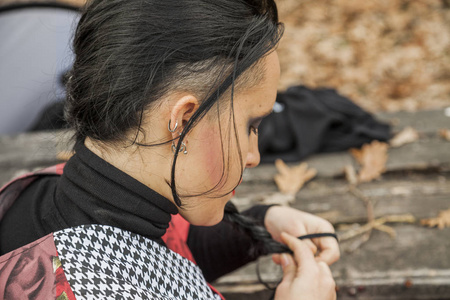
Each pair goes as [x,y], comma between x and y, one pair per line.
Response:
[182,111]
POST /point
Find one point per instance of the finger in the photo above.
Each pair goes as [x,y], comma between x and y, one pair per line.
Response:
[325,269]
[289,268]
[329,256]
[311,246]
[276,258]
[327,279]
[330,252]
[302,254]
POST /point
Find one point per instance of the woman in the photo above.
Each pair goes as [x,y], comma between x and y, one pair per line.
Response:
[165,98]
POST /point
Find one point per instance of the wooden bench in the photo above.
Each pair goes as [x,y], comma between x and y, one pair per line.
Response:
[413,265]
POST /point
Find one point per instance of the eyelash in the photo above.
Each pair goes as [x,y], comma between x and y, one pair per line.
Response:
[253,129]
[254,126]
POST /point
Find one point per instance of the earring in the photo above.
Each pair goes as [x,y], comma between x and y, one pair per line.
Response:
[183,147]
[175,128]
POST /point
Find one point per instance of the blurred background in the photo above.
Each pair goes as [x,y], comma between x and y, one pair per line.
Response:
[387,55]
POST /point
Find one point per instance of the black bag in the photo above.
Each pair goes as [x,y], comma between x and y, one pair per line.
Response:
[307,121]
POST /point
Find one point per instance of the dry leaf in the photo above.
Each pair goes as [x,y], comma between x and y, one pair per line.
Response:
[406,136]
[291,180]
[382,54]
[358,155]
[372,158]
[445,133]
[441,221]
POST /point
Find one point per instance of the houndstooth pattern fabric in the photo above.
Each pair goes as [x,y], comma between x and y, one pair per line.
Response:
[103,262]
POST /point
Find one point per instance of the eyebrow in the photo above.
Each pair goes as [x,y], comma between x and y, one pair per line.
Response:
[261,117]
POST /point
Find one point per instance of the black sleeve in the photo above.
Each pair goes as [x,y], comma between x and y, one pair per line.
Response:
[221,249]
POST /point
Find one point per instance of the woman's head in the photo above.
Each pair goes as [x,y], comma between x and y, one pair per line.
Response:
[197,63]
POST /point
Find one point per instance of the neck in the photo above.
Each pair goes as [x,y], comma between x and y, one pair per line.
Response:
[145,164]
[93,191]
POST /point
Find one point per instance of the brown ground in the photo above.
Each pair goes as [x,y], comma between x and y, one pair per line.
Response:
[384,54]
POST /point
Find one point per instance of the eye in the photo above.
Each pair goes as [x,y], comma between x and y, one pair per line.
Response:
[253,129]
[254,126]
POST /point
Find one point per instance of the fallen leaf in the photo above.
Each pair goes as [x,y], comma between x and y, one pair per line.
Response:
[445,133]
[291,179]
[406,136]
[441,221]
[372,158]
[383,54]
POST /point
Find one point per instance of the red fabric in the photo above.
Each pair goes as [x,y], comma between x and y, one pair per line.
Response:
[175,237]
[33,272]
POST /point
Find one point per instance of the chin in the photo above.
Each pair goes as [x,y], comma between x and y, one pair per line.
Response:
[208,221]
[204,218]
[209,214]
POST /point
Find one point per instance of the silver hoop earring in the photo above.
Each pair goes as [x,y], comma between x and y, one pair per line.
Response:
[175,128]
[183,147]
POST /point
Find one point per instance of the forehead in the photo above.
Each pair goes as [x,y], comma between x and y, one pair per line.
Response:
[259,99]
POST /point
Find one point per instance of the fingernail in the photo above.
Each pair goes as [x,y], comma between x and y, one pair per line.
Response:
[285,261]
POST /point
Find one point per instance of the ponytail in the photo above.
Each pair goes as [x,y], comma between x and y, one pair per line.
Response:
[263,243]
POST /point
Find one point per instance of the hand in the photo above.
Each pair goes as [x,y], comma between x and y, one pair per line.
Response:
[297,223]
[304,278]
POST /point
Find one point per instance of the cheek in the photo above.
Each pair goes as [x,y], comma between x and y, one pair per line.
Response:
[212,156]
[216,164]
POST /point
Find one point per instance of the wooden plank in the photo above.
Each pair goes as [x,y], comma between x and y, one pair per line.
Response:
[422,195]
[426,122]
[421,155]
[430,151]
[383,268]
[28,151]
[413,266]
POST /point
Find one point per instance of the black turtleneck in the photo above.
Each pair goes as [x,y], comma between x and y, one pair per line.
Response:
[92,191]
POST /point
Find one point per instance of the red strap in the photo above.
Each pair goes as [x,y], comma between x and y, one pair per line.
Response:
[176,237]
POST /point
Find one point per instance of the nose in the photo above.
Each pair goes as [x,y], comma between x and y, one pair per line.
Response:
[253,156]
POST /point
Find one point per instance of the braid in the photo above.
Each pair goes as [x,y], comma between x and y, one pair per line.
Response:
[263,243]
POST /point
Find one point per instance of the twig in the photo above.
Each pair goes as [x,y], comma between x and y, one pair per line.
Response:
[367,201]
[389,230]
[359,242]
[378,224]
